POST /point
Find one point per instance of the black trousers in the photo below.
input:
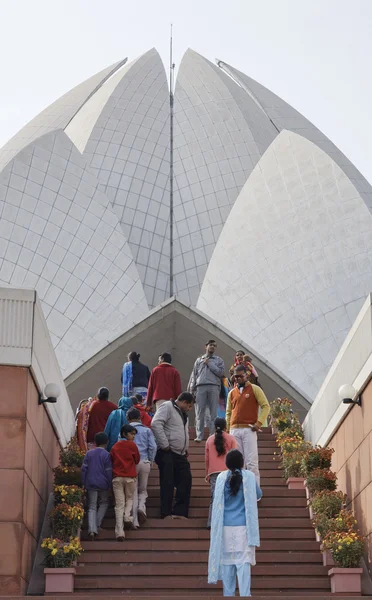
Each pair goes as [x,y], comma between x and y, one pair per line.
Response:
[174,472]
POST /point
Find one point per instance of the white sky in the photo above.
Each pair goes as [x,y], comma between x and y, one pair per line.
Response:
[315,54]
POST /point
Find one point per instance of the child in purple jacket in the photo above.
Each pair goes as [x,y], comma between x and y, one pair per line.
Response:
[96,473]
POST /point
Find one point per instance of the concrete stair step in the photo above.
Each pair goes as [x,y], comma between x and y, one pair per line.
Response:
[263,512]
[266,502]
[288,543]
[205,594]
[200,474]
[263,557]
[270,530]
[173,582]
[192,569]
[200,481]
[197,492]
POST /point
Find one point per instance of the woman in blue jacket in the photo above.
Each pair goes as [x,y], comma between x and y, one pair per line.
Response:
[116,420]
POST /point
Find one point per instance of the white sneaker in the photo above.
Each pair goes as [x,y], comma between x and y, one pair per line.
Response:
[197,440]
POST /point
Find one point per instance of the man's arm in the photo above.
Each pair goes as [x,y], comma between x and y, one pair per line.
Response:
[216,366]
[136,454]
[263,402]
[150,390]
[228,411]
[152,447]
[108,469]
[158,425]
[193,377]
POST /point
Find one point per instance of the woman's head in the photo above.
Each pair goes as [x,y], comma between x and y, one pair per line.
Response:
[234,460]
[220,424]
[133,356]
[219,440]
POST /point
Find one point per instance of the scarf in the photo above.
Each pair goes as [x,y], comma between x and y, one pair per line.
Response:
[251,515]
[127,379]
[82,422]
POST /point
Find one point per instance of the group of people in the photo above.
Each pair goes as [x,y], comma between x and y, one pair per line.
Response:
[150,423]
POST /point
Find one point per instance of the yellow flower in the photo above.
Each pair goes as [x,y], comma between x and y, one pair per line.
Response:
[340,547]
[54,551]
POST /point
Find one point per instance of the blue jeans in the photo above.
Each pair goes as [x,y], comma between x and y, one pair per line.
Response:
[229,573]
[95,518]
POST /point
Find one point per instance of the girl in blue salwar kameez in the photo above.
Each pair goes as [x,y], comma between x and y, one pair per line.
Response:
[234,531]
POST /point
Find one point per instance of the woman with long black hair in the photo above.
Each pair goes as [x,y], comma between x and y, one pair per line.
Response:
[235,531]
[216,448]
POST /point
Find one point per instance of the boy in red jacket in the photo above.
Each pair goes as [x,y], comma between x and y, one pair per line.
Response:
[137,401]
[125,456]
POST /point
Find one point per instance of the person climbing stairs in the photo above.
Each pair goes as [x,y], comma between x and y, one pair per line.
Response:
[171,557]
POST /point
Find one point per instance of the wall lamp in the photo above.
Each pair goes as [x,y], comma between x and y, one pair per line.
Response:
[51,393]
[348,395]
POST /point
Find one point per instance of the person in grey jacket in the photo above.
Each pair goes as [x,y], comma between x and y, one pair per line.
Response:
[171,430]
[205,383]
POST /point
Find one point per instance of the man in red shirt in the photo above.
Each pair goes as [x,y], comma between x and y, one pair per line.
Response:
[165,382]
[98,415]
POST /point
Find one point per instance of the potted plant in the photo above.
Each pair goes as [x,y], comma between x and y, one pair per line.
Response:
[67,475]
[341,523]
[279,407]
[328,503]
[66,520]
[346,548]
[293,443]
[321,479]
[323,507]
[71,455]
[60,558]
[317,458]
[69,494]
[292,470]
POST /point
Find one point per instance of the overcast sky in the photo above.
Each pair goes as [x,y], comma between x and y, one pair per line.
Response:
[315,54]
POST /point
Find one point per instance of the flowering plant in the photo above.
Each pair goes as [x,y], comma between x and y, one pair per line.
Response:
[70,494]
[292,444]
[71,456]
[346,548]
[279,407]
[59,553]
[321,479]
[282,423]
[317,458]
[67,475]
[292,464]
[328,503]
[65,520]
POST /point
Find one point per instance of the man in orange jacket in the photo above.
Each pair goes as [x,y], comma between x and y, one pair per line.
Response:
[243,404]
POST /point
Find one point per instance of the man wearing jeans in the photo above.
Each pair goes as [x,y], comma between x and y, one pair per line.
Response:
[96,474]
[243,404]
[205,382]
[171,430]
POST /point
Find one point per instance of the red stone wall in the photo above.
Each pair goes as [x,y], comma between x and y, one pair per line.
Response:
[28,451]
[352,462]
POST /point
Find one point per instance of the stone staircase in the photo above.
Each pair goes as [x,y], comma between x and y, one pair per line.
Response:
[166,558]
